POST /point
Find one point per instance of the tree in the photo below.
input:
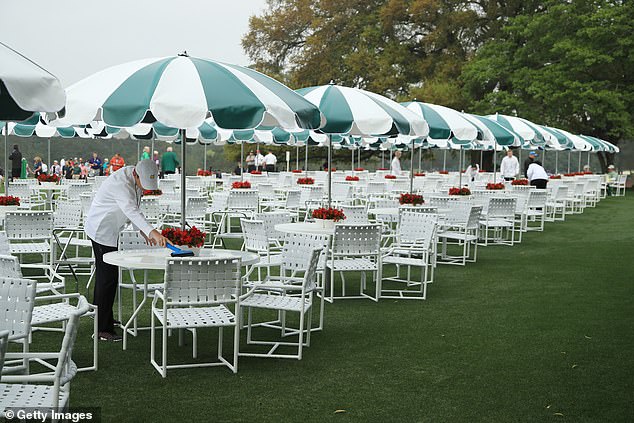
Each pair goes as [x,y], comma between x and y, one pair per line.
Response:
[567,66]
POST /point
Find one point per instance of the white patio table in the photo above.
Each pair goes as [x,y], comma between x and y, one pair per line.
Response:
[156,259]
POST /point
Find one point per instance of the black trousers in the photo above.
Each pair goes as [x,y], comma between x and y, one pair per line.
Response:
[539,183]
[106,283]
[15,173]
[270,168]
[508,179]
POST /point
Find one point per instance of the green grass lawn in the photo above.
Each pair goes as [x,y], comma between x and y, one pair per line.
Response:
[543,331]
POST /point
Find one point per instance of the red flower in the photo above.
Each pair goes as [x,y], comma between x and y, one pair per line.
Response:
[413,199]
[383,168]
[8,200]
[519,182]
[47,178]
[255,172]
[443,172]
[152,192]
[555,176]
[359,169]
[352,178]
[328,214]
[241,185]
[202,172]
[305,181]
[495,186]
[390,177]
[419,174]
[191,237]
[297,171]
[459,191]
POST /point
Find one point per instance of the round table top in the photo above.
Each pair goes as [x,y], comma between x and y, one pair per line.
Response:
[304,228]
[155,258]
[389,211]
[51,187]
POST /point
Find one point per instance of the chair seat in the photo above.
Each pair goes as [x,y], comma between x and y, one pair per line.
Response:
[270,260]
[405,261]
[76,242]
[38,247]
[497,223]
[460,236]
[189,317]
[352,264]
[151,287]
[50,313]
[17,395]
[276,302]
[532,212]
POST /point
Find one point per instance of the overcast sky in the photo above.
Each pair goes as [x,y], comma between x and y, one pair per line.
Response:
[75,38]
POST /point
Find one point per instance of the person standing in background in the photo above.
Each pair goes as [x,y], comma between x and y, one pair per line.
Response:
[156,159]
[116,163]
[472,172]
[95,165]
[270,161]
[169,162]
[250,160]
[510,166]
[105,167]
[395,166]
[16,162]
[259,160]
[56,169]
[146,153]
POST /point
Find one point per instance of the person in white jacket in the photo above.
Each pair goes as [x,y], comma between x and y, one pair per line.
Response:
[537,175]
[395,166]
[510,166]
[115,204]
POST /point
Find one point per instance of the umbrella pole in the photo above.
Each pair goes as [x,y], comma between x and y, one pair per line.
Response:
[138,150]
[481,154]
[444,160]
[460,168]
[420,157]
[297,157]
[556,162]
[411,170]
[205,157]
[359,157]
[6,170]
[242,160]
[579,167]
[588,159]
[352,150]
[569,154]
[382,159]
[306,159]
[495,150]
[183,179]
[329,170]
[49,154]
[544,157]
[152,151]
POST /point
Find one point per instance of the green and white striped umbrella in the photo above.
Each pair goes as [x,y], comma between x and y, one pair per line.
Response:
[529,131]
[445,124]
[358,112]
[182,92]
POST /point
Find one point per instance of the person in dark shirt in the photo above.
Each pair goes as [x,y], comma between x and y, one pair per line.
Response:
[531,158]
[16,162]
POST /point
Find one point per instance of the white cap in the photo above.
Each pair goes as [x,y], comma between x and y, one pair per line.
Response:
[148,174]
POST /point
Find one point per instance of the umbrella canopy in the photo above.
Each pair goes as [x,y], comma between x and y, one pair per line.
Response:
[492,132]
[182,92]
[358,112]
[26,87]
[444,123]
[527,130]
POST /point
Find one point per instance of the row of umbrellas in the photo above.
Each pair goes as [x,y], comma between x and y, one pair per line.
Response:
[183,97]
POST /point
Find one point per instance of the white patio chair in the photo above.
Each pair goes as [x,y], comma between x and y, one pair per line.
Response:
[50,389]
[29,233]
[270,219]
[355,248]
[498,224]
[355,215]
[557,204]
[284,298]
[198,293]
[17,298]
[256,240]
[240,204]
[460,227]
[414,247]
[536,210]
[57,307]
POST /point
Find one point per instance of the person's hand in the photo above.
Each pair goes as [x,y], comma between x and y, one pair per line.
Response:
[155,238]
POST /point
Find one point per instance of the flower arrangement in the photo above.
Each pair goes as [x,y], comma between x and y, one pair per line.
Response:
[352,178]
[491,186]
[256,172]
[519,182]
[305,181]
[555,176]
[203,172]
[241,185]
[587,172]
[459,191]
[48,178]
[443,172]
[383,168]
[413,199]
[152,192]
[390,177]
[574,174]
[297,171]
[191,237]
[482,171]
[328,214]
[9,200]
[419,174]
[359,169]
[332,169]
